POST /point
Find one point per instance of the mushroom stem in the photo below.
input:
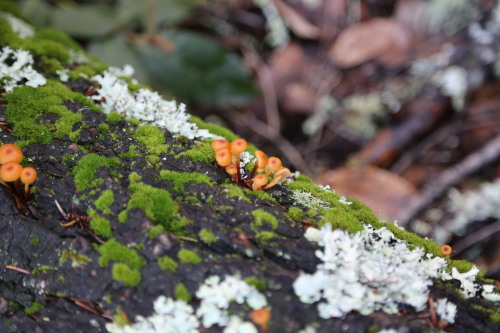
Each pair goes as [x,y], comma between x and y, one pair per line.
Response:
[279,176]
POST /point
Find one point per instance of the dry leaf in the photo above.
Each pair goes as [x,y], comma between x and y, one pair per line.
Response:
[296,22]
[386,193]
[365,41]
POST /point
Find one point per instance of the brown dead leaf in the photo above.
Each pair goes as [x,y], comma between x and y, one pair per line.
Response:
[384,192]
[367,40]
[296,22]
[298,97]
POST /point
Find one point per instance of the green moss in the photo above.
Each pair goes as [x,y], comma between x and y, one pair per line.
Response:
[167,263]
[87,71]
[100,226]
[134,122]
[264,236]
[49,65]
[26,105]
[155,231]
[153,140]
[260,284]
[43,269]
[296,213]
[235,191]
[182,293]
[201,152]
[188,257]
[157,205]
[104,201]
[260,216]
[340,218]
[8,6]
[123,273]
[47,48]
[59,37]
[33,308]
[262,195]
[207,236]
[112,250]
[7,35]
[181,178]
[86,168]
[414,240]
[114,117]
[77,259]
[462,266]
[34,240]
[134,177]
[103,128]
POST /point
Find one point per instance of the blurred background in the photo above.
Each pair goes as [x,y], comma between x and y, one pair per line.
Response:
[394,102]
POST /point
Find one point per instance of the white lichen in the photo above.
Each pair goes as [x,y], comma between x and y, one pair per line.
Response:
[467,281]
[16,69]
[366,272]
[489,294]
[144,105]
[446,310]
[277,30]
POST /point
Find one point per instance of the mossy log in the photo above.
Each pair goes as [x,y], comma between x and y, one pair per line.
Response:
[147,213]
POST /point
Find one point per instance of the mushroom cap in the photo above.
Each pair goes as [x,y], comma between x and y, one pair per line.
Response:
[260,316]
[273,163]
[219,144]
[261,159]
[10,171]
[446,250]
[231,169]
[238,146]
[223,157]
[28,175]
[10,153]
[259,181]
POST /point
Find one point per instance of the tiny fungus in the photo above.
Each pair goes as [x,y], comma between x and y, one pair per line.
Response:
[261,317]
[228,156]
[445,250]
[10,172]
[10,153]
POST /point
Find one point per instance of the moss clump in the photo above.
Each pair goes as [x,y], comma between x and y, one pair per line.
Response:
[296,213]
[214,129]
[260,284]
[59,37]
[182,293]
[33,308]
[112,250]
[100,226]
[105,201]
[86,168]
[415,240]
[207,236]
[167,263]
[77,259]
[123,273]
[157,205]
[235,191]
[34,239]
[262,195]
[201,152]
[260,216]
[188,257]
[45,47]
[181,178]
[49,65]
[25,106]
[264,236]
[114,117]
[153,140]
[340,217]
[86,71]
[7,35]
[132,152]
[155,231]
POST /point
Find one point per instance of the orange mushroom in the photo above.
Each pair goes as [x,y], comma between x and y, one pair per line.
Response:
[279,176]
[231,169]
[261,317]
[445,250]
[273,164]
[10,153]
[238,146]
[223,157]
[260,164]
[219,144]
[259,181]
[10,171]
[28,177]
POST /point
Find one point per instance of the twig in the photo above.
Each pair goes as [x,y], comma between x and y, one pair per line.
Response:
[14,268]
[450,177]
[477,236]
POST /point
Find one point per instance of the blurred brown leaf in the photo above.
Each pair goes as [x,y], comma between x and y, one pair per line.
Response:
[367,40]
[296,22]
[386,193]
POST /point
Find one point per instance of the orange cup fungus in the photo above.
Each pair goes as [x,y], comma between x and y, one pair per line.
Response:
[28,177]
[445,250]
[10,153]
[10,171]
[261,317]
[228,156]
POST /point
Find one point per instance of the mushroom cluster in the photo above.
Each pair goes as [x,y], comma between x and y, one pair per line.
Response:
[227,155]
[11,172]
